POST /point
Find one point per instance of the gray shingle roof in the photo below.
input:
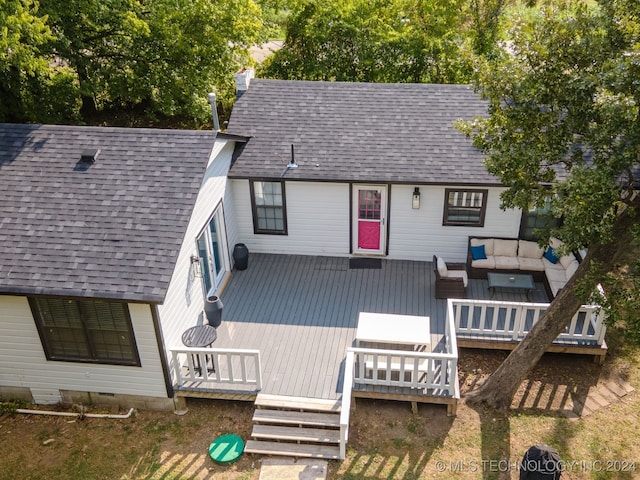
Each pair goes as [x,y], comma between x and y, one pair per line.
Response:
[359,132]
[109,230]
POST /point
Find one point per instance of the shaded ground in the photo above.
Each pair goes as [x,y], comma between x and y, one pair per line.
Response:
[386,440]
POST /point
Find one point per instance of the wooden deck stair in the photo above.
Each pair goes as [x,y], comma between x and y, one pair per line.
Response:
[295,427]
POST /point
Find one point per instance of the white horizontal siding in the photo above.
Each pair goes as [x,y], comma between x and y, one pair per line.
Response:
[318,222]
[184,302]
[317,219]
[419,234]
[23,362]
[231,219]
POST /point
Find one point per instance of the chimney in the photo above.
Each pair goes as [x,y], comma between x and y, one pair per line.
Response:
[89,156]
[243,78]
[214,111]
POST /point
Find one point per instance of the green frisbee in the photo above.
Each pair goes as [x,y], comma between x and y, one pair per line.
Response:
[226,448]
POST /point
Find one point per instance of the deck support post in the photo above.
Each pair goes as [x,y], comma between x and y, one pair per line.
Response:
[179,404]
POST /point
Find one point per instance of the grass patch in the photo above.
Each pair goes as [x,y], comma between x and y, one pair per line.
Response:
[10,406]
[387,441]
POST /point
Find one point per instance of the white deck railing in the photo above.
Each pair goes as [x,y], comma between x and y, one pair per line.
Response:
[345,407]
[398,368]
[511,321]
[230,366]
[409,368]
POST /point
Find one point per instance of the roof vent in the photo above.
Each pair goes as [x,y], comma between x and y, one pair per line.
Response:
[90,155]
[292,163]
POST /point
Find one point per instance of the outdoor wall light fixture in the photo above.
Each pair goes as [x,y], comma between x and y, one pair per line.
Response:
[196,266]
[415,203]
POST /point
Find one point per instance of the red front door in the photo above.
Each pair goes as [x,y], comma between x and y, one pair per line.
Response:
[369,219]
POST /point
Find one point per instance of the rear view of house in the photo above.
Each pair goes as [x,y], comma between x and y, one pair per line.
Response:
[114,243]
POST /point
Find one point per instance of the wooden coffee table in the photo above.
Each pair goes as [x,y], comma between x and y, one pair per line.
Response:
[516,281]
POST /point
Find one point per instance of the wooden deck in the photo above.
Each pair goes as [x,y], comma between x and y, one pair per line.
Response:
[301,313]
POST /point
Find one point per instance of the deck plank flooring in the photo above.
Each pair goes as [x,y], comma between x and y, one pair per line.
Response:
[301,313]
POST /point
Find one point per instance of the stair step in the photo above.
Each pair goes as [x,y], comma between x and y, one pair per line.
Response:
[292,449]
[312,419]
[296,434]
[297,403]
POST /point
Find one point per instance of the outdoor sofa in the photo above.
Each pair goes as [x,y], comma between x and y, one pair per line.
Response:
[509,255]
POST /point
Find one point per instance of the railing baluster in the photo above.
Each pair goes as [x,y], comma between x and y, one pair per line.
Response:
[430,372]
[483,319]
[494,319]
[458,315]
[599,326]
[192,368]
[217,367]
[243,368]
[415,375]
[572,325]
[231,377]
[177,367]
[360,360]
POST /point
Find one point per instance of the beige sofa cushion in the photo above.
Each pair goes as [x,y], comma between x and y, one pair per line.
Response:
[555,243]
[567,260]
[529,249]
[556,275]
[459,274]
[551,266]
[488,262]
[487,242]
[556,286]
[532,264]
[571,269]
[441,266]
[506,263]
[505,248]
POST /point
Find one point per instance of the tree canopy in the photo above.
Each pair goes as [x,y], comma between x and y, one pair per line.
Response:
[158,58]
[130,62]
[373,41]
[26,76]
[564,126]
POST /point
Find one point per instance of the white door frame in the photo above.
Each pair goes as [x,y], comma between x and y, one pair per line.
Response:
[383,189]
[208,259]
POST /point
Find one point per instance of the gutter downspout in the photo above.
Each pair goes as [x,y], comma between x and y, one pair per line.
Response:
[168,383]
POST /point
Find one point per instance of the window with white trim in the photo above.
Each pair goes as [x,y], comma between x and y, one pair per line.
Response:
[268,205]
[464,207]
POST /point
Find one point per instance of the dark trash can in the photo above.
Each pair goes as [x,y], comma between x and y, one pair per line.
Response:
[541,462]
[213,309]
[241,256]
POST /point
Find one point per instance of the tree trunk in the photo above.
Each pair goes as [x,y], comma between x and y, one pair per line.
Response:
[498,390]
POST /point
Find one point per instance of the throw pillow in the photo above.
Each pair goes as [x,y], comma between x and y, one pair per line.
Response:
[550,255]
[478,252]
